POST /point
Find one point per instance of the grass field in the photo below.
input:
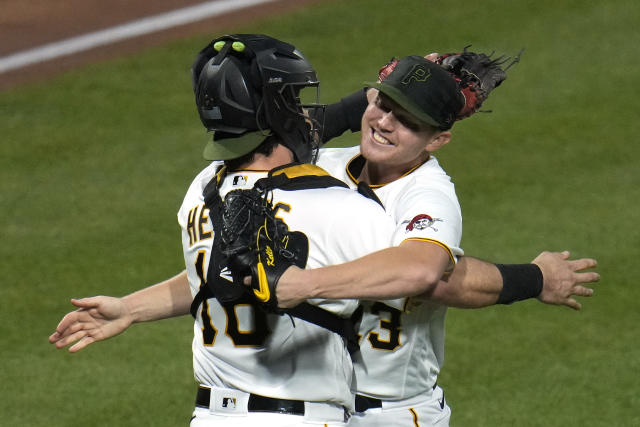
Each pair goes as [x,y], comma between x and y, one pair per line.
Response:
[94,165]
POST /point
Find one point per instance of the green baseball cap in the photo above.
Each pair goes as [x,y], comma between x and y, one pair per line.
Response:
[227,146]
[425,89]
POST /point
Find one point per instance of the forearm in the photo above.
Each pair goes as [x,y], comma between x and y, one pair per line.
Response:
[475,284]
[390,273]
[472,284]
[170,298]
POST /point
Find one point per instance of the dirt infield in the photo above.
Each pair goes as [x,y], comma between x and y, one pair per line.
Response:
[26,24]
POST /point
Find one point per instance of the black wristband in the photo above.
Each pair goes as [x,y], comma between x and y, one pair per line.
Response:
[519,282]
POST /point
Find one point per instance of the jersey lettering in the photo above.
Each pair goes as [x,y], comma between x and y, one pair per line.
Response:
[191,228]
[196,220]
[204,219]
[391,323]
[209,332]
[252,334]
[285,207]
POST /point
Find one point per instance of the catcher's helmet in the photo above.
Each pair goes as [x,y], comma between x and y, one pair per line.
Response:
[247,87]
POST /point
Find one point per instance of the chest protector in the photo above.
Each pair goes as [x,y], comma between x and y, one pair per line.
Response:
[244,210]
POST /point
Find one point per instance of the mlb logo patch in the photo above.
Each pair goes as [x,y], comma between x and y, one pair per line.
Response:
[229,402]
[239,180]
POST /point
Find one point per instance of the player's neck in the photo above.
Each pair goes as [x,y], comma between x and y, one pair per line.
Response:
[380,174]
[280,156]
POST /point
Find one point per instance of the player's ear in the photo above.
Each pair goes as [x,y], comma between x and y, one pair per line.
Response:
[438,140]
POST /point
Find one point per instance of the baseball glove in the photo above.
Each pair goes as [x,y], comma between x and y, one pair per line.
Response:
[477,75]
[258,244]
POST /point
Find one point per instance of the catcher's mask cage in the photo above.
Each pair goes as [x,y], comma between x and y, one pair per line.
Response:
[252,82]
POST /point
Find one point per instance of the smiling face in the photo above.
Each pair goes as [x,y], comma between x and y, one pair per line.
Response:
[393,141]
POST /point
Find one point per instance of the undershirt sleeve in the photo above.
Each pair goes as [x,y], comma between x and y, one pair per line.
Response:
[344,115]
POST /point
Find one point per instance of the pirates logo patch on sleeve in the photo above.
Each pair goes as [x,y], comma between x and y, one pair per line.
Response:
[420,222]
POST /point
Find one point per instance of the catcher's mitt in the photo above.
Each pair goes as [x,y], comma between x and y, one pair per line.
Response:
[257,244]
[477,75]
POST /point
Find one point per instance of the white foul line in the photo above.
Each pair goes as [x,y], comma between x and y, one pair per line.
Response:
[129,30]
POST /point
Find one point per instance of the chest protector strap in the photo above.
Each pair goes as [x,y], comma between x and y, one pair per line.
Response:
[220,283]
[288,178]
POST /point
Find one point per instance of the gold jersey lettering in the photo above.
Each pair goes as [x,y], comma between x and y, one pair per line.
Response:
[197,220]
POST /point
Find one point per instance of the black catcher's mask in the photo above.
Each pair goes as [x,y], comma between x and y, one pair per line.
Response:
[248,83]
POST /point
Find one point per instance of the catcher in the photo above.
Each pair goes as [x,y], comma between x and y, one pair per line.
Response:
[408,116]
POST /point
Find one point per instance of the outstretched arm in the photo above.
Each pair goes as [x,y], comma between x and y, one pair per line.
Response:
[475,283]
[410,269]
[101,317]
[394,273]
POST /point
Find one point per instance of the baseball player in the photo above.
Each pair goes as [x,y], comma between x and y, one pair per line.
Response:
[99,318]
[268,369]
[408,117]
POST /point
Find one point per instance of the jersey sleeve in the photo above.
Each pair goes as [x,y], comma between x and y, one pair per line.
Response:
[430,215]
[194,193]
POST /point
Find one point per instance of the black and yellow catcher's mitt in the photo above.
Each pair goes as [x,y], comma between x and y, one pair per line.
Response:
[258,244]
[477,75]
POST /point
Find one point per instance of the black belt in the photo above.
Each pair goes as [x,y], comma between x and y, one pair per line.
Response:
[363,402]
[257,403]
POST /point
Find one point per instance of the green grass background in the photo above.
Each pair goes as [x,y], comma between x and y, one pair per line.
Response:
[94,165]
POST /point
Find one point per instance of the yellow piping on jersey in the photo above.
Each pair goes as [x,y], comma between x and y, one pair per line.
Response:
[442,245]
[415,417]
[407,304]
[221,173]
[355,180]
[302,170]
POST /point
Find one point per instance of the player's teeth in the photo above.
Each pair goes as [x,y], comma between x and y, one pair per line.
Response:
[380,139]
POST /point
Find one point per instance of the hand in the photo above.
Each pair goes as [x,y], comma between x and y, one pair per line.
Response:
[289,287]
[562,278]
[432,56]
[96,319]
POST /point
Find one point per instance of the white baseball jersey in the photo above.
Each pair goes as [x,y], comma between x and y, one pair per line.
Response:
[239,346]
[403,350]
